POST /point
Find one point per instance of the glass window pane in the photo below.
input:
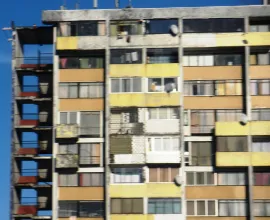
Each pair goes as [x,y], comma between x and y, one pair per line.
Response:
[190,208]
[137,85]
[154,85]
[200,207]
[115,84]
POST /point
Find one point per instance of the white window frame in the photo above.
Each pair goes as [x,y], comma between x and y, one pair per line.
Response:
[163,84]
[206,206]
[68,113]
[131,84]
[205,177]
[151,146]
[128,183]
[158,114]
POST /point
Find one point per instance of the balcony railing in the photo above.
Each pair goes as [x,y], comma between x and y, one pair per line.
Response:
[44,60]
[202,129]
[67,161]
[33,90]
[32,176]
[33,119]
[126,128]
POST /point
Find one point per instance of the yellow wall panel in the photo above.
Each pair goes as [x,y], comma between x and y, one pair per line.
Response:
[229,39]
[236,129]
[153,190]
[258,38]
[81,218]
[127,70]
[161,70]
[236,159]
[81,75]
[67,43]
[225,159]
[144,99]
[132,217]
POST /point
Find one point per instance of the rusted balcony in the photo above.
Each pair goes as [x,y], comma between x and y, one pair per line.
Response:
[42,90]
[31,148]
[33,119]
[30,177]
[43,61]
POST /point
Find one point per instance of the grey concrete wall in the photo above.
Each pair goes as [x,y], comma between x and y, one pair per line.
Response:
[151,13]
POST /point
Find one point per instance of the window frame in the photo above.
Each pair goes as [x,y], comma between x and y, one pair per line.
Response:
[162,85]
[122,171]
[227,202]
[169,113]
[122,201]
[195,178]
[171,201]
[120,82]
[195,210]
[170,177]
[151,144]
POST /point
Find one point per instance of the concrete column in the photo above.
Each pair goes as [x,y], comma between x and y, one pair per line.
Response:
[107,125]
[181,121]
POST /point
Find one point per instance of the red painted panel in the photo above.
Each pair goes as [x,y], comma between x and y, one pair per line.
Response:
[27,94]
[35,66]
[24,151]
[29,122]
[27,209]
[27,179]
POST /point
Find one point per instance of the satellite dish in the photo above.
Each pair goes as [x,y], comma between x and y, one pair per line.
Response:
[177,180]
[244,119]
[174,29]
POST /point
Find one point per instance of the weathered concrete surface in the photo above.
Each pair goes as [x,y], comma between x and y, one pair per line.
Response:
[150,13]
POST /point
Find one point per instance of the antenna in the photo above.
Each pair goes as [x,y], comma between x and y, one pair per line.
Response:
[117,3]
[77,4]
[95,3]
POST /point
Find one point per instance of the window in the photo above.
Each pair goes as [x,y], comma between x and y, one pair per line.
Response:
[201,153]
[126,56]
[91,209]
[160,26]
[91,179]
[127,175]
[262,179]
[124,28]
[68,179]
[259,28]
[259,58]
[198,88]
[68,117]
[200,178]
[163,113]
[231,179]
[232,144]
[81,90]
[260,87]
[90,124]
[232,207]
[68,149]
[261,207]
[127,206]
[163,174]
[164,206]
[81,63]
[163,144]
[228,60]
[229,115]
[228,87]
[81,28]
[162,85]
[89,154]
[164,55]
[67,209]
[213,25]
[201,207]
[202,121]
[126,85]
[260,144]
[198,60]
[261,114]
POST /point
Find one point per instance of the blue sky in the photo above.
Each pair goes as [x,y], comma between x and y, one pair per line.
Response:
[28,12]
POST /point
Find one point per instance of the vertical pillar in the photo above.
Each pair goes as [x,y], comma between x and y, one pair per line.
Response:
[181,121]
[107,124]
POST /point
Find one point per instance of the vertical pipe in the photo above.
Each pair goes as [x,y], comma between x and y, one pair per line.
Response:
[107,124]
[181,121]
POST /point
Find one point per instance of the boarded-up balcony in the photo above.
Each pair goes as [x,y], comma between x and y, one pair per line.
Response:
[66,131]
[67,161]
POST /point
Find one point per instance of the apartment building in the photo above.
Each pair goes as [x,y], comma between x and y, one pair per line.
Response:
[143,114]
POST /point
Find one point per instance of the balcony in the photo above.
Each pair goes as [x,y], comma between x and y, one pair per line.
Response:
[163,157]
[43,61]
[145,70]
[28,120]
[66,131]
[67,161]
[33,91]
[145,99]
[226,39]
[30,177]
[242,159]
[126,128]
[32,148]
[259,128]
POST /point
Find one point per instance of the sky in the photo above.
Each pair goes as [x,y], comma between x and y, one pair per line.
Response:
[27,13]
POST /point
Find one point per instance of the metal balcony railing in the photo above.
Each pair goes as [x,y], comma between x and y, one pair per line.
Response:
[33,119]
[42,60]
